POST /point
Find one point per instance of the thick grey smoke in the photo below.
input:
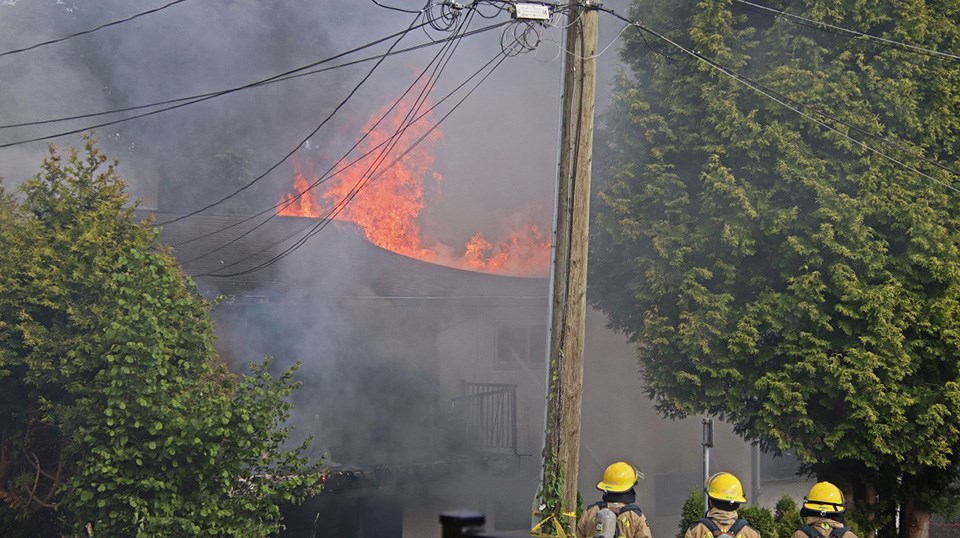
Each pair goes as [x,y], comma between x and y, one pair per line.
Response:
[497,160]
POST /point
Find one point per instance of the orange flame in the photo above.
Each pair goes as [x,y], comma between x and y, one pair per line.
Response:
[523,252]
[302,204]
[383,194]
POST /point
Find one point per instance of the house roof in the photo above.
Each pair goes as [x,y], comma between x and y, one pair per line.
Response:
[251,260]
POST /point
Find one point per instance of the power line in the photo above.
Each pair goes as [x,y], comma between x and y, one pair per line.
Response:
[799,108]
[500,7]
[292,151]
[185,101]
[319,226]
[383,147]
[324,177]
[286,75]
[329,116]
[92,30]
[820,25]
[418,104]
[396,8]
[322,224]
[197,98]
[330,172]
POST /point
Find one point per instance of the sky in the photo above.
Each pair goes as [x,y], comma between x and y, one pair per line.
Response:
[497,157]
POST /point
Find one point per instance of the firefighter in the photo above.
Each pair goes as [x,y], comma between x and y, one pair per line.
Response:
[724,497]
[822,512]
[616,514]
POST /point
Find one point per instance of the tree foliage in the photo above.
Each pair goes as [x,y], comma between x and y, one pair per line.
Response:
[116,410]
[776,271]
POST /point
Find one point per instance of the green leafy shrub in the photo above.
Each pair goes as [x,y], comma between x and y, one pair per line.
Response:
[786,516]
[116,410]
[692,511]
[761,519]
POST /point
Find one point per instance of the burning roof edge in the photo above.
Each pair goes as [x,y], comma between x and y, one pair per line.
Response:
[338,262]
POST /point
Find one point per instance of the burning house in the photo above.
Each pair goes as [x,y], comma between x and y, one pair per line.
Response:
[419,379]
[423,364]
[424,384]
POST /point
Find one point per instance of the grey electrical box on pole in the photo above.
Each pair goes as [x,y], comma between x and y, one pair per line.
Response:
[530,12]
[707,445]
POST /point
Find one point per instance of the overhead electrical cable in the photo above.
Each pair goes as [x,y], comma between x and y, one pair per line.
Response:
[379,58]
[602,51]
[800,108]
[385,147]
[329,116]
[443,14]
[396,8]
[368,178]
[205,97]
[325,221]
[242,188]
[287,75]
[92,30]
[275,209]
[197,98]
[319,226]
[499,8]
[330,172]
[410,118]
[405,123]
[832,28]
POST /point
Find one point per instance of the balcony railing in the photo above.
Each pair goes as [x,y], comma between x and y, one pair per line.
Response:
[489,412]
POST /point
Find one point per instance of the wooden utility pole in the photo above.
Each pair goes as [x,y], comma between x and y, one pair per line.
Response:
[561,453]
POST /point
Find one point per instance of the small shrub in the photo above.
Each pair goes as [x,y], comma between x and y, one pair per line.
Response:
[786,517]
[761,519]
[692,511]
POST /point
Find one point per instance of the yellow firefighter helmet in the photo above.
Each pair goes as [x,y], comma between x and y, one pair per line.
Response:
[725,487]
[825,498]
[619,477]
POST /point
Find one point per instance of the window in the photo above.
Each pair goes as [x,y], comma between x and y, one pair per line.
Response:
[522,344]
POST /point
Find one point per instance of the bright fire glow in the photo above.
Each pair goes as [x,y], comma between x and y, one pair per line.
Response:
[383,194]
